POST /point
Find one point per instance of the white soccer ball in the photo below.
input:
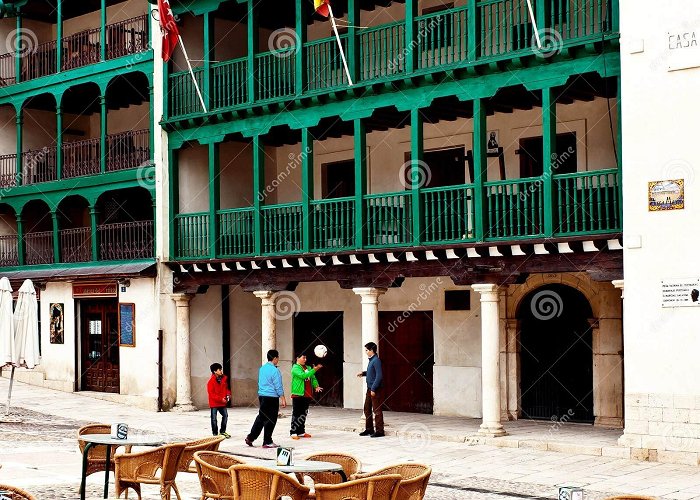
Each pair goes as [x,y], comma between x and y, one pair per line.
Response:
[320,351]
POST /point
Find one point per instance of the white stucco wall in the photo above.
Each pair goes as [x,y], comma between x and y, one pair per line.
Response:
[58,360]
[660,110]
[205,341]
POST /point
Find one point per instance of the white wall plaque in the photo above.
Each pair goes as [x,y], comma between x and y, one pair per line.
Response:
[683,48]
[680,292]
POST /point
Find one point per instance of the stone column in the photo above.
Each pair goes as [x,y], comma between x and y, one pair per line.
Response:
[370,323]
[269,322]
[490,361]
[183,401]
[620,285]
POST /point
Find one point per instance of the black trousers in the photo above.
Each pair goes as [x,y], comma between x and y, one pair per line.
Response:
[300,409]
[224,419]
[266,419]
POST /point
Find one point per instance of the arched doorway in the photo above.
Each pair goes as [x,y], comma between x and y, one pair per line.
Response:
[556,355]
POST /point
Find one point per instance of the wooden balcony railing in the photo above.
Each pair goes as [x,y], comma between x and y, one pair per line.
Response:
[480,32]
[75,245]
[8,171]
[511,210]
[39,248]
[130,149]
[39,165]
[126,240]
[8,250]
[81,158]
[81,49]
[39,62]
[7,69]
[127,37]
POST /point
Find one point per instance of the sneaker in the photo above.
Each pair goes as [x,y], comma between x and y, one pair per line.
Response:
[225,434]
[248,441]
[294,436]
[305,435]
[366,433]
[377,435]
[270,445]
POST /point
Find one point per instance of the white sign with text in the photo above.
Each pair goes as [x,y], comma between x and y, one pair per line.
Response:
[680,292]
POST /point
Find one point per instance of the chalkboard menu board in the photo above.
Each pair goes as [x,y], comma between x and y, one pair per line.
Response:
[127,325]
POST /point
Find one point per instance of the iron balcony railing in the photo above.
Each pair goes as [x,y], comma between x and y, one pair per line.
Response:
[8,250]
[582,203]
[75,245]
[481,32]
[39,248]
[126,240]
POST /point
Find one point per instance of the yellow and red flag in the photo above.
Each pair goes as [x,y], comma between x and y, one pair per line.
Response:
[322,7]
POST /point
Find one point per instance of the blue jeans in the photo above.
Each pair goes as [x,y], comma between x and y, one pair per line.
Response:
[224,419]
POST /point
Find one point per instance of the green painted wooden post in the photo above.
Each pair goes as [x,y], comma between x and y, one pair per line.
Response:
[103,30]
[18,48]
[20,240]
[541,10]
[166,92]
[360,181]
[94,236]
[214,198]
[56,239]
[59,141]
[619,145]
[151,126]
[59,35]
[252,48]
[411,36]
[479,167]
[549,155]
[302,7]
[258,188]
[18,124]
[307,186]
[473,27]
[103,133]
[174,199]
[209,37]
[419,172]
[615,10]
[353,54]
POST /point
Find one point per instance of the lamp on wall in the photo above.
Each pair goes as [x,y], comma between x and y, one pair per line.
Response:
[124,282]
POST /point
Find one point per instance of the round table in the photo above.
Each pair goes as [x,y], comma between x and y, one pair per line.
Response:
[107,440]
[302,466]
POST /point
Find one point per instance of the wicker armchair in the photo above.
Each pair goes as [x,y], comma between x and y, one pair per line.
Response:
[187,459]
[251,482]
[368,488]
[350,464]
[134,469]
[414,479]
[214,478]
[16,493]
[96,454]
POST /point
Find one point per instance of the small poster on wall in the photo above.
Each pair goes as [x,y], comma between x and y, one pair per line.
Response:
[56,323]
[666,195]
[127,325]
[681,292]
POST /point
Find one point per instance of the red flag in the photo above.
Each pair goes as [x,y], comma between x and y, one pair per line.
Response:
[168,28]
[321,7]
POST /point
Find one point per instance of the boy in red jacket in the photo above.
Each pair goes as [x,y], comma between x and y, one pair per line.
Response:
[219,396]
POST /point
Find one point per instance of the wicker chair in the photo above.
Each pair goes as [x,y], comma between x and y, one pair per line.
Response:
[16,493]
[96,453]
[214,478]
[187,459]
[368,488]
[414,479]
[134,469]
[251,482]
[350,464]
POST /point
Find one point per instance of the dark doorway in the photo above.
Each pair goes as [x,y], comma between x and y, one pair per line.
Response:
[556,355]
[99,346]
[446,168]
[312,329]
[406,351]
[338,179]
[531,155]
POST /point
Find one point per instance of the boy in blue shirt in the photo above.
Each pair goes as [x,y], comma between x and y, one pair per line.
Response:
[269,393]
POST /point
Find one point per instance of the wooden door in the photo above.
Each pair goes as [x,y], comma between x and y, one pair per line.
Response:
[312,329]
[406,351]
[99,332]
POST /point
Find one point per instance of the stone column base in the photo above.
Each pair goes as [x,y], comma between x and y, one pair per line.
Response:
[182,408]
[493,430]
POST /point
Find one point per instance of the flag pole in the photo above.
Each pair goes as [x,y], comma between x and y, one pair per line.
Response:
[196,85]
[534,24]
[340,45]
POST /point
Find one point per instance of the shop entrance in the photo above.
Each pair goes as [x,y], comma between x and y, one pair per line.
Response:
[99,336]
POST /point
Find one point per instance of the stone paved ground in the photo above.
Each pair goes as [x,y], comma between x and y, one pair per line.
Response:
[41,455]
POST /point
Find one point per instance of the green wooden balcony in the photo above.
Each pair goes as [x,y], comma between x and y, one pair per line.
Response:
[583,203]
[482,32]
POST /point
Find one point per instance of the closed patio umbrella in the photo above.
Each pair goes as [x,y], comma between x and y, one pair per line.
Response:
[7,327]
[26,333]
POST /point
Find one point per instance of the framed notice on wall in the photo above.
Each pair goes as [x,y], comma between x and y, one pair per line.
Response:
[127,325]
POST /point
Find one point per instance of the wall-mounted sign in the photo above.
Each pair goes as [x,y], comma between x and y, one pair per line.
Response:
[89,290]
[127,325]
[56,323]
[681,292]
[683,48]
[666,195]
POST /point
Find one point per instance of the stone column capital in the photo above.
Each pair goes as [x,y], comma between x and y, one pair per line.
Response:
[620,285]
[369,295]
[267,296]
[181,299]
[489,291]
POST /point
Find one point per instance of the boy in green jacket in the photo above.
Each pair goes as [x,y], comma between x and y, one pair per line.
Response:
[304,384]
